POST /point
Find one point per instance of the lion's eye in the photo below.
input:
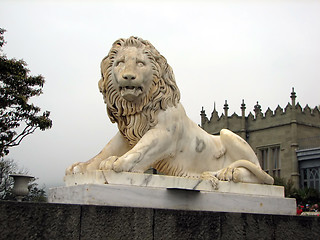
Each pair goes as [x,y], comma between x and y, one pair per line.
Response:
[140,64]
[118,63]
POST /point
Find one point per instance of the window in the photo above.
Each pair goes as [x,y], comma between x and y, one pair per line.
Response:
[270,160]
[310,178]
[264,159]
[314,178]
[276,161]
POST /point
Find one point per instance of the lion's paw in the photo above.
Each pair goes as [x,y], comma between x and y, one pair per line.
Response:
[225,174]
[107,164]
[237,175]
[229,174]
[121,165]
[211,176]
[78,167]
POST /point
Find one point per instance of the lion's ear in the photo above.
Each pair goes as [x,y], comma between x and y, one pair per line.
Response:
[103,67]
[104,63]
[100,84]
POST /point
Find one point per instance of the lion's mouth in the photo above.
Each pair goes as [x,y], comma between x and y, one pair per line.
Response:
[130,93]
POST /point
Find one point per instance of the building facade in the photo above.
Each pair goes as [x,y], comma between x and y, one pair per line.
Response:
[279,138]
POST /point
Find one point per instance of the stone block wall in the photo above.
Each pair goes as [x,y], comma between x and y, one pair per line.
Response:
[62,221]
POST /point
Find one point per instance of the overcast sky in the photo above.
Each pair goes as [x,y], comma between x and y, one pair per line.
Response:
[219,50]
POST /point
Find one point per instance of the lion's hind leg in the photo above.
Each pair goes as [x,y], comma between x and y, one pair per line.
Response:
[241,171]
[238,174]
[231,174]
[246,171]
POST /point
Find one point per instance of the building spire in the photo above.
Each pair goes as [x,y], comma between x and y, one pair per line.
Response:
[293,98]
[226,107]
[203,112]
[243,132]
[243,108]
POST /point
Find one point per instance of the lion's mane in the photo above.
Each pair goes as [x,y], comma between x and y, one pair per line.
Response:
[134,119]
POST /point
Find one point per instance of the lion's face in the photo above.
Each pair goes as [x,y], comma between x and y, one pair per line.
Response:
[137,83]
[132,73]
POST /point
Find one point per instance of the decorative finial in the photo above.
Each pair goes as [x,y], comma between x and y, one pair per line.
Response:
[226,106]
[243,105]
[203,112]
[293,97]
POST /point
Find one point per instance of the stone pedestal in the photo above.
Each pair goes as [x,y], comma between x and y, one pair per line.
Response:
[167,192]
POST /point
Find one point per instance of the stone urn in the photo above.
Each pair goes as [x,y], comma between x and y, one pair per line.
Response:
[20,187]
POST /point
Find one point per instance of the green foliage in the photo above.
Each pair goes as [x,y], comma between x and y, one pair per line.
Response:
[16,88]
[307,196]
[36,194]
[303,195]
[7,167]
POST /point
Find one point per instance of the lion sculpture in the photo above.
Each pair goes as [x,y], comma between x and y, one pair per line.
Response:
[142,97]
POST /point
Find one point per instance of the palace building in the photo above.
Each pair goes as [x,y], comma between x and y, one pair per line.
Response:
[286,141]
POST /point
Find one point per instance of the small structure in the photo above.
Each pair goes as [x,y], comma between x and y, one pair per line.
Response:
[20,187]
[277,137]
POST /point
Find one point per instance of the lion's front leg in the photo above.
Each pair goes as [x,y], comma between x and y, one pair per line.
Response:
[152,147]
[116,147]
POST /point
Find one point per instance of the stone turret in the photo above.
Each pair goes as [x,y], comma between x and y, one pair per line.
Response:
[257,110]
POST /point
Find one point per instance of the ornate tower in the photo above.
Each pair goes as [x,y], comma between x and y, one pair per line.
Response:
[294,140]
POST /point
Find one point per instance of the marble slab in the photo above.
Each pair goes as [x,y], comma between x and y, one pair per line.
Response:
[170,182]
[178,199]
[167,192]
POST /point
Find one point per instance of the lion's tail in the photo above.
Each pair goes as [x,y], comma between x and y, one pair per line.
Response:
[257,171]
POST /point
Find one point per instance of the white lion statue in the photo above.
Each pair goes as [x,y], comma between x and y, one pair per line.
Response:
[142,97]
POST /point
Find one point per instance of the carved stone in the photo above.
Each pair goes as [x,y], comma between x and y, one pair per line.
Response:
[142,97]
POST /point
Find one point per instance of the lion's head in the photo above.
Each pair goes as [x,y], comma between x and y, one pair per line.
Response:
[136,83]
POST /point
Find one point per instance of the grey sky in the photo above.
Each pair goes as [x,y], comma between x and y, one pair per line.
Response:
[234,50]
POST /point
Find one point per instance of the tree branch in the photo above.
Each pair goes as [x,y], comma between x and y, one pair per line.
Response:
[26,131]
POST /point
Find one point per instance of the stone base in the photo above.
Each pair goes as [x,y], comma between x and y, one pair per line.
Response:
[165,192]
[171,182]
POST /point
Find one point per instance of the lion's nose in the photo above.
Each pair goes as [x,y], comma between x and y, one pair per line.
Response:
[129,76]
